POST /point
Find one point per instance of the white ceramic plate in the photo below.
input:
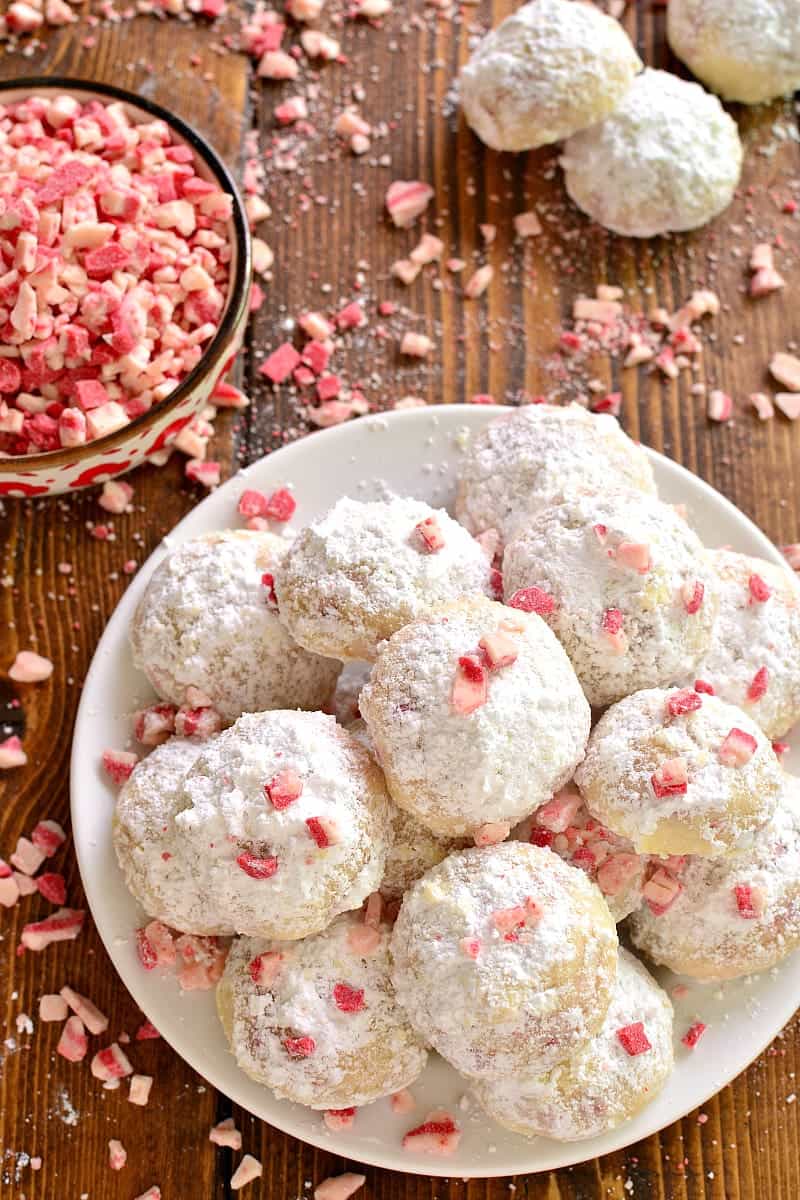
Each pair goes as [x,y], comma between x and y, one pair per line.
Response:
[413,453]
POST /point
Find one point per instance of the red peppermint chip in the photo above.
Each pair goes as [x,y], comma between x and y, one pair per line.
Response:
[283,789]
[255,867]
[472,667]
[634,1039]
[758,685]
[692,595]
[53,887]
[430,536]
[280,505]
[268,582]
[533,599]
[299,1047]
[684,701]
[749,901]
[693,1034]
[705,688]
[759,590]
[348,999]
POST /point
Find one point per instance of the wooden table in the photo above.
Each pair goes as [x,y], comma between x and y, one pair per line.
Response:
[503,344]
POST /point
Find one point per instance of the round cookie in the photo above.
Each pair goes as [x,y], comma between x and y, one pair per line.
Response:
[413,851]
[168,883]
[551,68]
[348,689]
[668,159]
[289,817]
[208,620]
[604,1084]
[754,656]
[731,916]
[677,772]
[366,569]
[623,582]
[526,460]
[317,1020]
[504,959]
[746,50]
[565,825]
[455,701]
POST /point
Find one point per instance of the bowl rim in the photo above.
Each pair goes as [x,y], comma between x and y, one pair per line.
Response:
[238,293]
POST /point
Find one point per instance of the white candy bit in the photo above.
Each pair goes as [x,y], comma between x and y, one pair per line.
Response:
[527,224]
[492,833]
[115,496]
[766,281]
[226,1134]
[405,270]
[761,257]
[277,64]
[360,143]
[111,1063]
[12,754]
[429,249]
[406,200]
[479,282]
[373,9]
[139,1089]
[304,10]
[349,122]
[9,891]
[91,1016]
[105,420]
[339,1187]
[248,1170]
[263,257]
[319,45]
[789,404]
[152,1193]
[416,345]
[499,650]
[25,885]
[27,858]
[635,555]
[764,407]
[786,369]
[29,667]
[117,1155]
[604,312]
[720,405]
[737,748]
[52,1008]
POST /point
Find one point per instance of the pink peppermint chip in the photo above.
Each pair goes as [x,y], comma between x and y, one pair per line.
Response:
[280,364]
[339,1187]
[248,1170]
[119,764]
[62,926]
[635,555]
[720,406]
[284,789]
[758,685]
[265,968]
[760,591]
[73,1043]
[430,538]
[117,1155]
[661,891]
[348,999]
[27,858]
[559,813]
[737,748]
[226,1134]
[611,627]
[470,687]
[499,650]
[12,754]
[671,779]
[299,1047]
[634,1039]
[616,872]
[324,831]
[491,833]
[256,867]
[280,505]
[53,887]
[692,596]
[533,599]
[91,1016]
[403,1102]
[438,1135]
[338,1119]
[111,1063]
[684,701]
[139,1089]
[750,901]
[52,1008]
[693,1035]
[48,836]
[29,667]
[252,503]
[407,200]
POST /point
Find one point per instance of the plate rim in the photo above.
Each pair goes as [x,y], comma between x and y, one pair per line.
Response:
[476,416]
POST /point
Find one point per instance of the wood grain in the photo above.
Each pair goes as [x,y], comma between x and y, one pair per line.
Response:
[748,1147]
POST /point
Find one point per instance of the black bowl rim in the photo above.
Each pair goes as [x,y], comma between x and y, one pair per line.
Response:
[239,285]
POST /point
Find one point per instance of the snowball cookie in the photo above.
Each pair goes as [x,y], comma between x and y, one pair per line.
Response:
[168,883]
[667,159]
[608,1081]
[680,773]
[731,916]
[413,851]
[746,50]
[624,583]
[565,825]
[551,68]
[476,716]
[207,620]
[289,817]
[317,1020]
[754,657]
[368,568]
[504,959]
[348,689]
[527,459]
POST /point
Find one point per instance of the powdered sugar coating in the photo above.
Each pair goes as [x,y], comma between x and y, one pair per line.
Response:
[723,806]
[530,458]
[551,68]
[668,159]
[167,882]
[227,813]
[359,574]
[747,50]
[570,550]
[704,934]
[456,772]
[205,621]
[526,999]
[357,1055]
[751,634]
[602,1085]
[585,833]
[413,851]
